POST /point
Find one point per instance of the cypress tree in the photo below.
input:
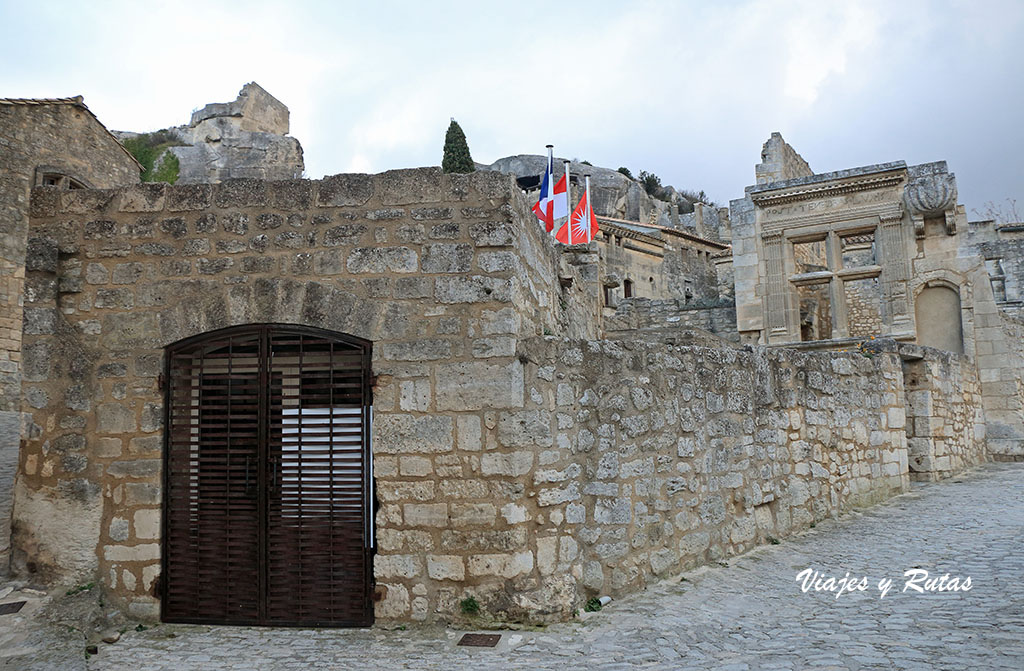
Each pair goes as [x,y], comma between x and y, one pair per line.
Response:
[456,151]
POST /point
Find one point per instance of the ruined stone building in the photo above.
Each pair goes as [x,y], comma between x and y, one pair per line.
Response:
[322,402]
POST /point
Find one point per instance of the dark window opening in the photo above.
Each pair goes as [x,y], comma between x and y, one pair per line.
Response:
[627,288]
[59,180]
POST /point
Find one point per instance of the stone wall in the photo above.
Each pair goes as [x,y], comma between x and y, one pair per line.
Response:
[945,413]
[998,340]
[708,222]
[864,307]
[718,317]
[254,110]
[62,138]
[1003,250]
[779,162]
[671,269]
[438,271]
[646,459]
[1004,410]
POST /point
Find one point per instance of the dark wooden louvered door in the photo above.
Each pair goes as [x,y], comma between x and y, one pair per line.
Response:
[267,489]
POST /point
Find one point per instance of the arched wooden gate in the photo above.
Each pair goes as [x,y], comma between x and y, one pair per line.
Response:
[267,483]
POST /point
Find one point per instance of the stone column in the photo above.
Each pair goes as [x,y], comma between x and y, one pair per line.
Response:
[892,248]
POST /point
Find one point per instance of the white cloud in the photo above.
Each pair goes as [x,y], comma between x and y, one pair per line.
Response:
[688,90]
[820,43]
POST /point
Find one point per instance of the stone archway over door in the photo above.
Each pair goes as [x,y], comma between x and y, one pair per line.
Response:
[939,324]
[267,484]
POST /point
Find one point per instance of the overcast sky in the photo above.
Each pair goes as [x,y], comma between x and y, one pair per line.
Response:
[687,90]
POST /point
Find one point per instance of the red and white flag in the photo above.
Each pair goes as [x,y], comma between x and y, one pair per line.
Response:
[581,227]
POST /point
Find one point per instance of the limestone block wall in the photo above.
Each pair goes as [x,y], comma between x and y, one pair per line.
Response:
[999,358]
[1005,404]
[655,458]
[864,308]
[431,268]
[65,138]
[1003,250]
[779,162]
[641,313]
[945,413]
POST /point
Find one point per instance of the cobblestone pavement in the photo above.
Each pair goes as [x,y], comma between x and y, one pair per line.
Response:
[751,614]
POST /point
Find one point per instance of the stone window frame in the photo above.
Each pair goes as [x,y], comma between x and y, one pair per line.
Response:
[53,176]
[836,275]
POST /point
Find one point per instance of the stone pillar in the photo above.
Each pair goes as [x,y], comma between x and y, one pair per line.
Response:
[892,248]
[837,288]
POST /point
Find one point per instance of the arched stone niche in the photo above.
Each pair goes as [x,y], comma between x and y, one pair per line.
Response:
[939,323]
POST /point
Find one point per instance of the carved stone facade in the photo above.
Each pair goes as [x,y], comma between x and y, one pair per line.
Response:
[882,251]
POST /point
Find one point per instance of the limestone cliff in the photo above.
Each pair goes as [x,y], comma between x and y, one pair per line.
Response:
[243,138]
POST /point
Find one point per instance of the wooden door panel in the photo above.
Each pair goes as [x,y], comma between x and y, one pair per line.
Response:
[266,486]
[317,570]
[212,512]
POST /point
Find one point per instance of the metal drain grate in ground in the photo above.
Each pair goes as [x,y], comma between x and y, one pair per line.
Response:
[12,607]
[480,640]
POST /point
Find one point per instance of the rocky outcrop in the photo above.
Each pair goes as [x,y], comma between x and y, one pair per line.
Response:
[243,138]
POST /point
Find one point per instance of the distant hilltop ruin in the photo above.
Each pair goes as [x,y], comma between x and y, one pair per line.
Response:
[247,137]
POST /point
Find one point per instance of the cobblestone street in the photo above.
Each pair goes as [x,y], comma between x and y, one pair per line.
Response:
[750,614]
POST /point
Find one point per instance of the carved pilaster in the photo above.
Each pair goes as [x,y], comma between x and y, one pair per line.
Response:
[895,274]
[777,286]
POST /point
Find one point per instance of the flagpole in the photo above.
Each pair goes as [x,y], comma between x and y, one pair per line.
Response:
[587,211]
[551,165]
[568,194]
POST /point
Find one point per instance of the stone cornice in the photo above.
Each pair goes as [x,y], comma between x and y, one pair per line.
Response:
[811,191]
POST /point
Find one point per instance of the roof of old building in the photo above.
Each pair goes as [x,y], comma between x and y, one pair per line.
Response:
[655,230]
[74,101]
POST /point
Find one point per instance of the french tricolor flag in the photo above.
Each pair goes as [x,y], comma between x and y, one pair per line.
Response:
[554,200]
